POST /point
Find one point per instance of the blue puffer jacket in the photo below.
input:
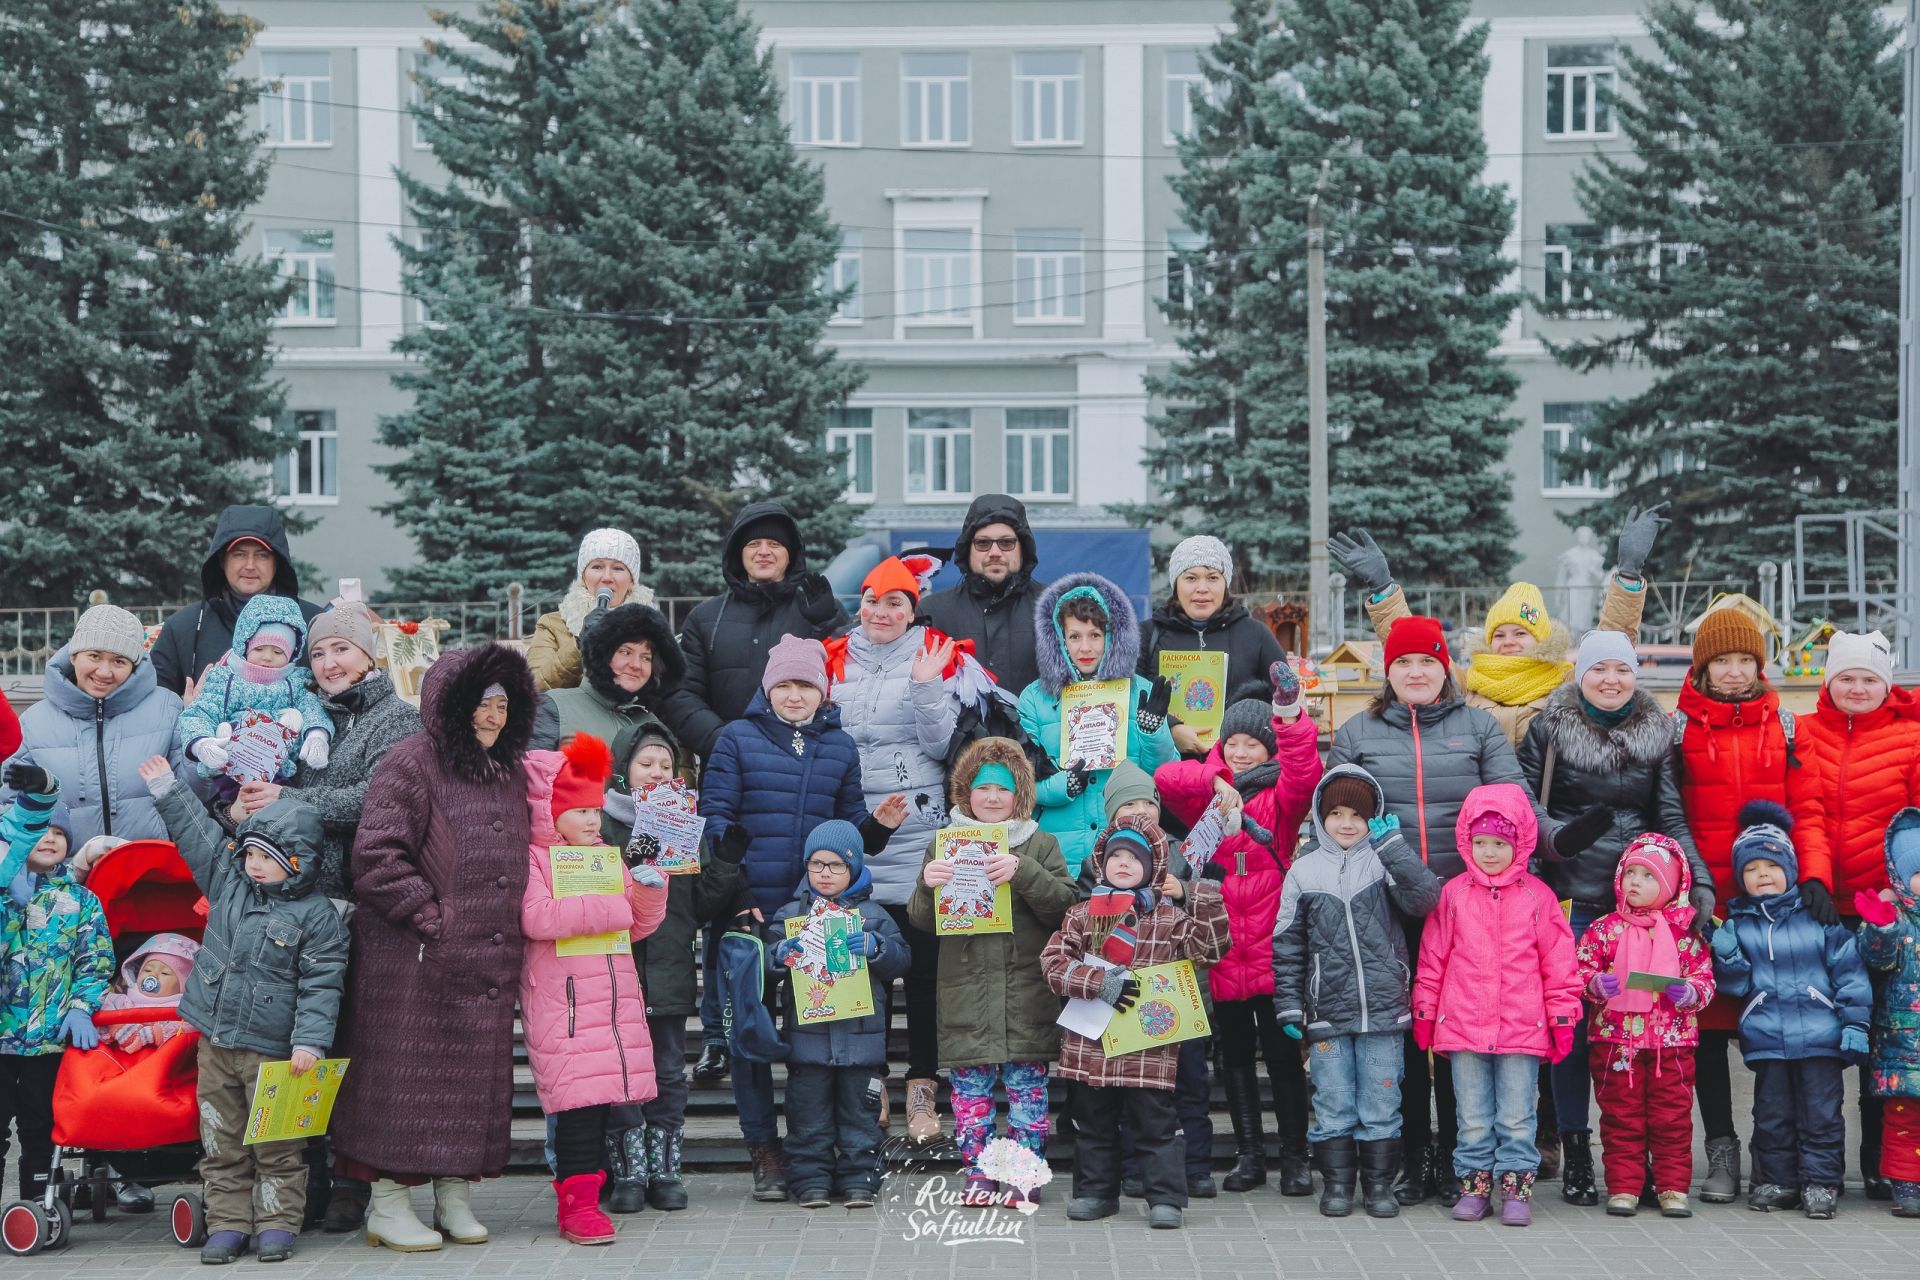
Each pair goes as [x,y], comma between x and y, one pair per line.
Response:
[850,1042]
[1803,982]
[228,690]
[780,782]
[1895,949]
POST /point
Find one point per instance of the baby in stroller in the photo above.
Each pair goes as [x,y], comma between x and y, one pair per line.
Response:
[154,976]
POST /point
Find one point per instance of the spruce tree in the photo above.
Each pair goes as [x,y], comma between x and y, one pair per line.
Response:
[138,384]
[1752,261]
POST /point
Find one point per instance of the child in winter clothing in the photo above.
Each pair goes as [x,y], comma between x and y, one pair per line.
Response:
[258,675]
[154,977]
[833,1072]
[1640,1042]
[1808,1005]
[1092,958]
[1890,942]
[1340,981]
[997,1018]
[56,960]
[1498,992]
[585,1015]
[1264,767]
[270,974]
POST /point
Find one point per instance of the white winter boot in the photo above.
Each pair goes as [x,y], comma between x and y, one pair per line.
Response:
[453,1211]
[391,1222]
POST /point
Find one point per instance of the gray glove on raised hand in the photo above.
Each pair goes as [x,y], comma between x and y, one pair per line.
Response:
[1362,558]
[1636,539]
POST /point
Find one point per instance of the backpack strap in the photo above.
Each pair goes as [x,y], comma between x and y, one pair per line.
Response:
[1680,727]
[1786,728]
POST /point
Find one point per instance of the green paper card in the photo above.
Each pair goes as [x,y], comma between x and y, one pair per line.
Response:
[1641,981]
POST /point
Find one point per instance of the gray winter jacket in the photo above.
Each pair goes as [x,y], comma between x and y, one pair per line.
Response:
[81,740]
[903,728]
[1339,951]
[367,719]
[273,960]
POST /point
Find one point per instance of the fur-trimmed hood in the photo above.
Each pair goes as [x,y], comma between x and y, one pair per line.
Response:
[451,691]
[1645,736]
[1001,751]
[620,626]
[1050,650]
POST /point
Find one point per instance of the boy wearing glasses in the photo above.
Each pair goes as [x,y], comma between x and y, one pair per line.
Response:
[993,605]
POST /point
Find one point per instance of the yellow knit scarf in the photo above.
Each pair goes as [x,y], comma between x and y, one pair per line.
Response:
[1515,680]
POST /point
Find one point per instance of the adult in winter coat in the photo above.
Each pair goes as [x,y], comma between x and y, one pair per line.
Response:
[1086,631]
[994,602]
[1201,613]
[770,593]
[247,556]
[607,575]
[628,660]
[1890,944]
[102,711]
[1732,744]
[439,870]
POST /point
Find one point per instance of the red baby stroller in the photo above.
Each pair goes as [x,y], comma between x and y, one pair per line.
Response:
[138,1107]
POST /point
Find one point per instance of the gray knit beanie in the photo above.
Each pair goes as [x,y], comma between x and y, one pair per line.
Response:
[110,629]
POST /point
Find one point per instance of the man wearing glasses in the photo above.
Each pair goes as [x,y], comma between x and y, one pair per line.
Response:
[993,605]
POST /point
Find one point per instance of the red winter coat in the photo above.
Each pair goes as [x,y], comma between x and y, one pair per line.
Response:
[1249,873]
[10,738]
[1856,773]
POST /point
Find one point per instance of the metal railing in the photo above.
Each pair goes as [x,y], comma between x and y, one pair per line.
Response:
[1872,600]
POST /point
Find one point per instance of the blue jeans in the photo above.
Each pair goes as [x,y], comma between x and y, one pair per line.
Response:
[1496,1093]
[1356,1087]
[1572,1085]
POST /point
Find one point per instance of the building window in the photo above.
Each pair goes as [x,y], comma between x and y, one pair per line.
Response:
[826,99]
[297,104]
[935,106]
[430,75]
[1580,82]
[1572,262]
[1048,267]
[1563,447]
[1048,89]
[938,288]
[844,275]
[1183,79]
[1040,453]
[310,471]
[1181,245]
[939,453]
[306,258]
[850,440]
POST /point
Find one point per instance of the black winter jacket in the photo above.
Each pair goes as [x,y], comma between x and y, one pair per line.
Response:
[200,634]
[1251,648]
[998,618]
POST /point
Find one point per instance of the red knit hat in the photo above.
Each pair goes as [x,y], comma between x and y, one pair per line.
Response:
[1414,634]
[582,780]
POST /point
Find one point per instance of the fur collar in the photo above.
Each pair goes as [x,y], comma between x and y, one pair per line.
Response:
[450,692]
[1644,737]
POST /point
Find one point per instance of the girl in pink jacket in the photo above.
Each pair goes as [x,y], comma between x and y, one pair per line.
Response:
[585,1016]
[1265,767]
[1498,992]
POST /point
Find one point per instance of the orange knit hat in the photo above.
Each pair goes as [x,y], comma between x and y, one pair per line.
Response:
[891,574]
[1727,631]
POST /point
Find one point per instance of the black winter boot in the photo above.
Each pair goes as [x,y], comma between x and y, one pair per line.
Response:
[1415,1170]
[1576,1169]
[1440,1177]
[1339,1169]
[1377,1163]
[626,1170]
[1243,1106]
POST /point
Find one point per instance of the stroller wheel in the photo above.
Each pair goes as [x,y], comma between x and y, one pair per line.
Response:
[62,1226]
[25,1228]
[188,1219]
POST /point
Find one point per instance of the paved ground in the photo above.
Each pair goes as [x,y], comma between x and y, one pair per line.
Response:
[724,1234]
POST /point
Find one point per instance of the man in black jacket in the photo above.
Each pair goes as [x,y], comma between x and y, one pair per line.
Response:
[993,605]
[247,555]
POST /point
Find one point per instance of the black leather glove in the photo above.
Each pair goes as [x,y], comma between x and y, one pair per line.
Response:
[1815,897]
[1362,558]
[1636,538]
[817,602]
[29,778]
[1578,835]
[1077,777]
[1152,712]
[1129,995]
[732,847]
[1701,898]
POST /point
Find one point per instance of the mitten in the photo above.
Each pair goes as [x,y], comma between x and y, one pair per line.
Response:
[1606,985]
[1682,994]
[1286,689]
[865,943]
[1563,1031]
[211,752]
[1875,909]
[1077,778]
[1152,712]
[1726,944]
[732,847]
[1579,834]
[1423,1031]
[1291,1029]
[1363,560]
[1853,1042]
[77,1030]
[787,952]
[817,602]
[20,889]
[30,778]
[1819,902]
[314,750]
[650,877]
[292,719]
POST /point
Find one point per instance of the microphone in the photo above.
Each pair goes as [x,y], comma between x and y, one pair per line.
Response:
[603,598]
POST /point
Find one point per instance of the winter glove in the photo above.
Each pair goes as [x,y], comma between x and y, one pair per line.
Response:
[1563,1032]
[1123,994]
[20,890]
[1152,712]
[1423,1031]
[1291,1029]
[732,847]
[865,944]
[649,877]
[1875,909]
[1076,779]
[1853,1042]
[1606,985]
[292,720]
[1636,539]
[1701,899]
[1818,902]
[1579,834]
[77,1030]
[1362,558]
[314,750]
[1379,828]
[1286,689]
[212,752]
[1726,945]
[1683,995]
[786,952]
[817,602]
[30,778]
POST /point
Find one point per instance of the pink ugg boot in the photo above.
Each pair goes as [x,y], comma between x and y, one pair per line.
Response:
[581,1221]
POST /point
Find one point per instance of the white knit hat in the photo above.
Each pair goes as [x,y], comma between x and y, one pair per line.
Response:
[1200,552]
[1850,651]
[609,544]
[110,629]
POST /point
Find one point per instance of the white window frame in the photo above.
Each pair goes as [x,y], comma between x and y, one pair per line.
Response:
[1049,277]
[313,443]
[941,89]
[308,98]
[809,92]
[845,271]
[1563,255]
[947,439]
[936,210]
[1068,91]
[424,66]
[1558,434]
[1176,96]
[846,438]
[1591,85]
[1036,440]
[1180,240]
[305,266]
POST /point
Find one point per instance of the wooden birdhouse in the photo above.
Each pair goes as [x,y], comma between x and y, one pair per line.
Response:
[1355,662]
[1806,653]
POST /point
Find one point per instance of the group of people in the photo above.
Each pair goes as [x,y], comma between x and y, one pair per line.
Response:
[1497,902]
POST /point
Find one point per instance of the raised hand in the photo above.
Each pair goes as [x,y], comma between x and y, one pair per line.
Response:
[1636,538]
[1152,712]
[1362,558]
[930,664]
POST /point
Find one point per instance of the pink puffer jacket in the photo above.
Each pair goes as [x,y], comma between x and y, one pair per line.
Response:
[585,1016]
[1497,971]
[1249,873]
